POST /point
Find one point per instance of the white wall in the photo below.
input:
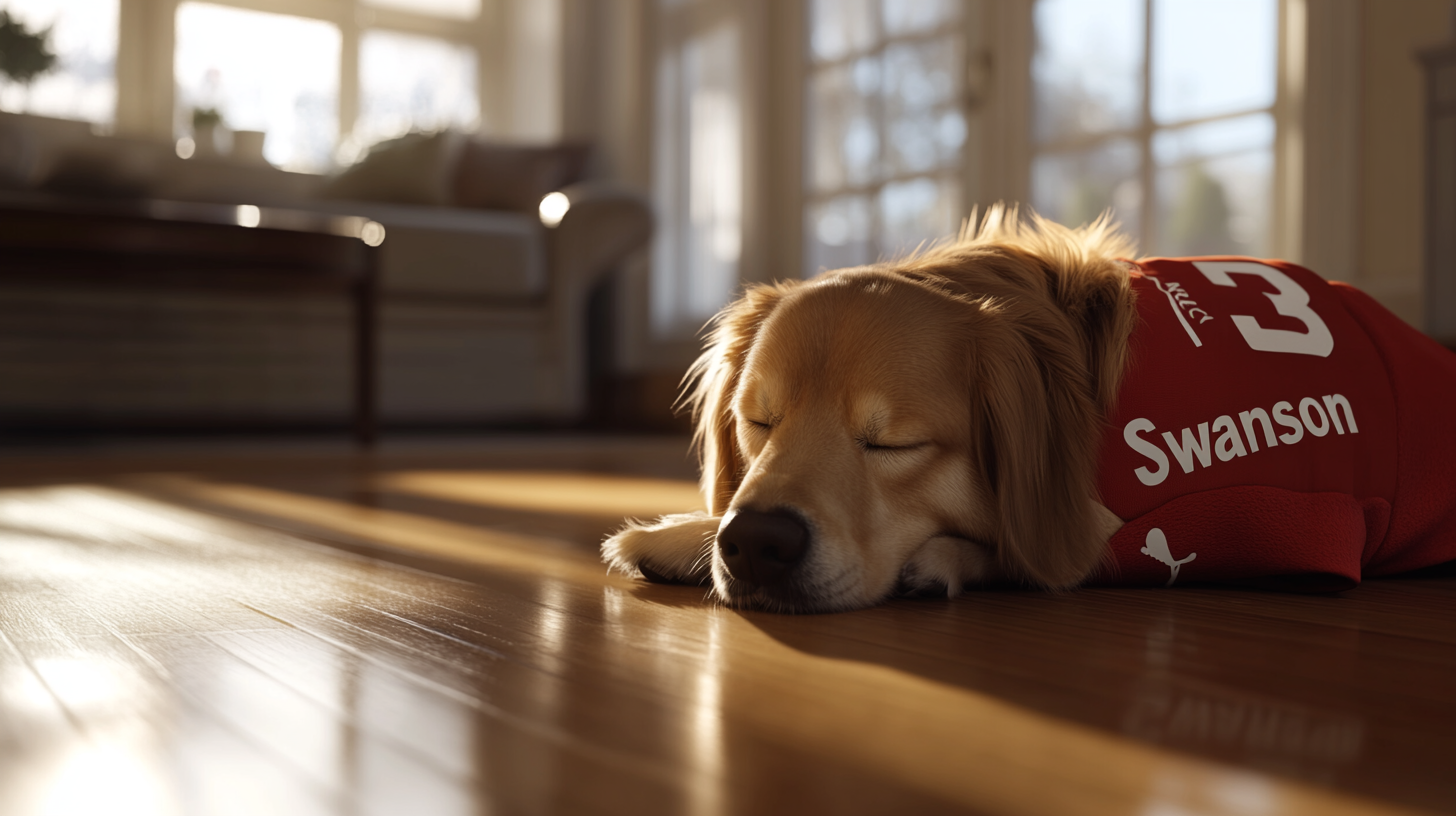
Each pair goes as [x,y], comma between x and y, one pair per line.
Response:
[1392,148]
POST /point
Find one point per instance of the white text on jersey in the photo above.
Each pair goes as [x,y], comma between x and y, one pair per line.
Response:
[1191,448]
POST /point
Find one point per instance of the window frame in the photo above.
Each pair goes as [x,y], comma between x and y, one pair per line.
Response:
[768,32]
[1313,211]
[146,45]
[676,25]
[965,26]
[1319,82]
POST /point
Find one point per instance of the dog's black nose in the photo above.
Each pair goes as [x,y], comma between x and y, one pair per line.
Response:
[762,549]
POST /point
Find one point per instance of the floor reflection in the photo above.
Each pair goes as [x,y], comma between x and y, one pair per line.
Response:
[73,743]
[121,773]
[1275,734]
[1190,713]
[703,737]
[550,491]
[156,658]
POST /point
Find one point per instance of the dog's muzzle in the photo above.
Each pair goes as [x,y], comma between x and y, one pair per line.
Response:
[762,549]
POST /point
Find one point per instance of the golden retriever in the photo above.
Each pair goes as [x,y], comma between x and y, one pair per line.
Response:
[920,425]
[907,427]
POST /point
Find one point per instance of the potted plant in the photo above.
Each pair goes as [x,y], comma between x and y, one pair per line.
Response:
[25,55]
[207,132]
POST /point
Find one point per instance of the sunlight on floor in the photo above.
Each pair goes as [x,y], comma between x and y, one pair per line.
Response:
[110,776]
[157,657]
[464,543]
[555,492]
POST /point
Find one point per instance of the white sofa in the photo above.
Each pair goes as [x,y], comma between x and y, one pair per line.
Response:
[483,312]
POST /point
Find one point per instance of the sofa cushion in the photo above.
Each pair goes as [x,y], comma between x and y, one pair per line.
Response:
[417,168]
[451,169]
[65,155]
[453,251]
[515,177]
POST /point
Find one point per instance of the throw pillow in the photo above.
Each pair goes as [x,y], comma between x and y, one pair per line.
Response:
[515,177]
[417,168]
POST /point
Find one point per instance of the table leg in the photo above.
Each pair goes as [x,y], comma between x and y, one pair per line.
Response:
[366,351]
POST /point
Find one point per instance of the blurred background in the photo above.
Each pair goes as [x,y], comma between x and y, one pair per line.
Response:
[768,139]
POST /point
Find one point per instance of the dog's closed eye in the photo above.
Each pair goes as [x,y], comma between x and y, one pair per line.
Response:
[885,447]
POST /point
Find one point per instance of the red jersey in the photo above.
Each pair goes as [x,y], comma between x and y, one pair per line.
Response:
[1276,428]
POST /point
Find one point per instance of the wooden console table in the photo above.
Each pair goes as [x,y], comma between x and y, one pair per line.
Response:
[204,247]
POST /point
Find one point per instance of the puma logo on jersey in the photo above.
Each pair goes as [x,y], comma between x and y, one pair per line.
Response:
[1156,546]
[1184,306]
[1195,447]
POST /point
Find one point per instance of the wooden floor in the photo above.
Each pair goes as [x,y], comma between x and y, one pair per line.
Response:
[429,631]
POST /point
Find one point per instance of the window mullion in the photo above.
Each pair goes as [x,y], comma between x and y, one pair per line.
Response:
[882,128]
[1086,141]
[1148,221]
[871,188]
[348,75]
[880,223]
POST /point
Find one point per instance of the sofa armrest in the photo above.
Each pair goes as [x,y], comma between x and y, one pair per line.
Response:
[602,225]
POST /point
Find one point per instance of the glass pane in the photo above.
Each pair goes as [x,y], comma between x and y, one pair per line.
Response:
[1087,70]
[1214,139]
[841,133]
[413,83]
[917,212]
[668,182]
[1214,187]
[268,72]
[1213,58]
[83,37]
[924,131]
[838,233]
[700,181]
[921,141]
[1216,207]
[1074,188]
[715,170]
[838,28]
[910,16]
[459,9]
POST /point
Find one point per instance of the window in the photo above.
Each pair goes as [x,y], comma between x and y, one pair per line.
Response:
[458,9]
[289,90]
[884,128]
[410,82]
[322,80]
[697,165]
[1164,111]
[83,37]
[286,75]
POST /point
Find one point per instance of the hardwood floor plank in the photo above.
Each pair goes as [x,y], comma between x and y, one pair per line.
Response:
[376,636]
[33,716]
[374,701]
[145,743]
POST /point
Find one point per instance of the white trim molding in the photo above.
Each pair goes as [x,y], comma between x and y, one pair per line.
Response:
[1330,211]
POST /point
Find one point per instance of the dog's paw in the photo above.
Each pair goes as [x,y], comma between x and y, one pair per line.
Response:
[942,567]
[676,549]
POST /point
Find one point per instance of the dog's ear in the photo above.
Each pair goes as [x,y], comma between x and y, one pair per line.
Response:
[1097,294]
[713,381]
[1091,288]
[1039,429]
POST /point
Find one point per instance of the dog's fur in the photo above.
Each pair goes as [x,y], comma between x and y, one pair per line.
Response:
[933,422]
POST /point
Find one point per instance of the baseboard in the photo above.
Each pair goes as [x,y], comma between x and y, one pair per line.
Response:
[638,402]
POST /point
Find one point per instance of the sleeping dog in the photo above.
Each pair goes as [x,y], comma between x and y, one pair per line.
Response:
[1022,406]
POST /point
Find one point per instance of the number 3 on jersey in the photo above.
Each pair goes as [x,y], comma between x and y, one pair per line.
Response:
[1290,300]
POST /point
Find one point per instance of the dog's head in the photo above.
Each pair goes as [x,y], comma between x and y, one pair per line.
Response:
[908,425]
